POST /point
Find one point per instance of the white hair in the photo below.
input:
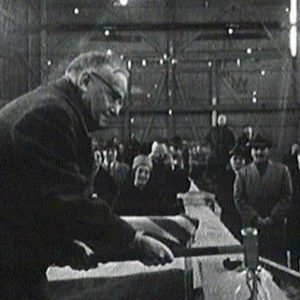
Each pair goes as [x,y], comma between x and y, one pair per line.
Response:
[93,60]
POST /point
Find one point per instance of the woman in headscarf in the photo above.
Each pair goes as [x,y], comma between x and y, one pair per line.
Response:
[136,197]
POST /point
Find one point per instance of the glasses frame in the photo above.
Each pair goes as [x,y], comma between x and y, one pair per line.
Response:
[115,95]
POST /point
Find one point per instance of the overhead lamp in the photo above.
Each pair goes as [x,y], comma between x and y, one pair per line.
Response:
[293,28]
[109,52]
[122,56]
[230,31]
[170,112]
[165,56]
[254,93]
[144,62]
[254,99]
[106,32]
[123,2]
[49,62]
[148,95]
[161,61]
[209,63]
[155,85]
[293,40]
[131,120]
[263,72]
[238,62]
[249,50]
[293,12]
[129,64]
[76,11]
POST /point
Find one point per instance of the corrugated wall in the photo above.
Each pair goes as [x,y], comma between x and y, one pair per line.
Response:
[19,48]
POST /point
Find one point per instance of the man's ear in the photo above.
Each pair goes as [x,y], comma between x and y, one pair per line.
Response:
[83,81]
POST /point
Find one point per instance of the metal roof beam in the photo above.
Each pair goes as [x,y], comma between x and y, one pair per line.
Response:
[92,26]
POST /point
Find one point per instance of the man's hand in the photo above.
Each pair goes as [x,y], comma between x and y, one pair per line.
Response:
[79,257]
[264,222]
[151,251]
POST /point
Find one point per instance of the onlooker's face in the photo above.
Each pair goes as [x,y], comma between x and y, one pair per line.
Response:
[98,159]
[260,154]
[222,120]
[249,132]
[159,154]
[141,176]
[236,162]
[105,94]
[111,154]
[295,149]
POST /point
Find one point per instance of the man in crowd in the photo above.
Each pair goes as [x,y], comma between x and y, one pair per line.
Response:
[224,194]
[168,178]
[221,140]
[46,167]
[262,194]
[244,140]
[292,160]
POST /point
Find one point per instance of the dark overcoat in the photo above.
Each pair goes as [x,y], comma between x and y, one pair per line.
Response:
[45,180]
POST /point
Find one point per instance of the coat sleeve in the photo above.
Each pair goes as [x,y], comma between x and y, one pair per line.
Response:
[280,210]
[46,142]
[247,212]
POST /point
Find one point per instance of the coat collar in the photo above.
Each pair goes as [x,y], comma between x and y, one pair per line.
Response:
[73,97]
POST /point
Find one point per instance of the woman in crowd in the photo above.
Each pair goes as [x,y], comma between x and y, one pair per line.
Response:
[136,197]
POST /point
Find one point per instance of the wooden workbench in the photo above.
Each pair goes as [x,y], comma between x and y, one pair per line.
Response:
[208,272]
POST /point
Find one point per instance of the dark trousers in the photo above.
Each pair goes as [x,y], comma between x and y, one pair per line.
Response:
[23,284]
[293,237]
[272,243]
[295,256]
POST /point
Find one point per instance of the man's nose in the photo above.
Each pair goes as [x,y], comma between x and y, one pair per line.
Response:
[116,108]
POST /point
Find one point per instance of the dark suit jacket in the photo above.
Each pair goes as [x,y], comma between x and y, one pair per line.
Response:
[45,179]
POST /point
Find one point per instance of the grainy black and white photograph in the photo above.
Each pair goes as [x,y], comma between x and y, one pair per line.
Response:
[149,150]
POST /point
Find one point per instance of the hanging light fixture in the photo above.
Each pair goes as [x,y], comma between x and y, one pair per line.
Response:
[293,28]
[123,2]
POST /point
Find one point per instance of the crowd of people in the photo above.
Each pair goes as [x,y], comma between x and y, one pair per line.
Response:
[250,189]
[142,182]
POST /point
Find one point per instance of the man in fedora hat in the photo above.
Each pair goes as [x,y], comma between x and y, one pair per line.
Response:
[262,194]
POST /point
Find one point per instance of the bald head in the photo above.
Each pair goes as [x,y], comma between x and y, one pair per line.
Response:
[222,120]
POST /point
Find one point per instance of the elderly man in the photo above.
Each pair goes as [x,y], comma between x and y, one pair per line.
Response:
[262,194]
[46,166]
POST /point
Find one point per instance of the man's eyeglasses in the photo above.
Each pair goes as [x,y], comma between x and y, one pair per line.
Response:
[114,94]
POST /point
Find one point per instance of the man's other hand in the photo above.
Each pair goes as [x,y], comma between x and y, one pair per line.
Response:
[264,222]
[151,251]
